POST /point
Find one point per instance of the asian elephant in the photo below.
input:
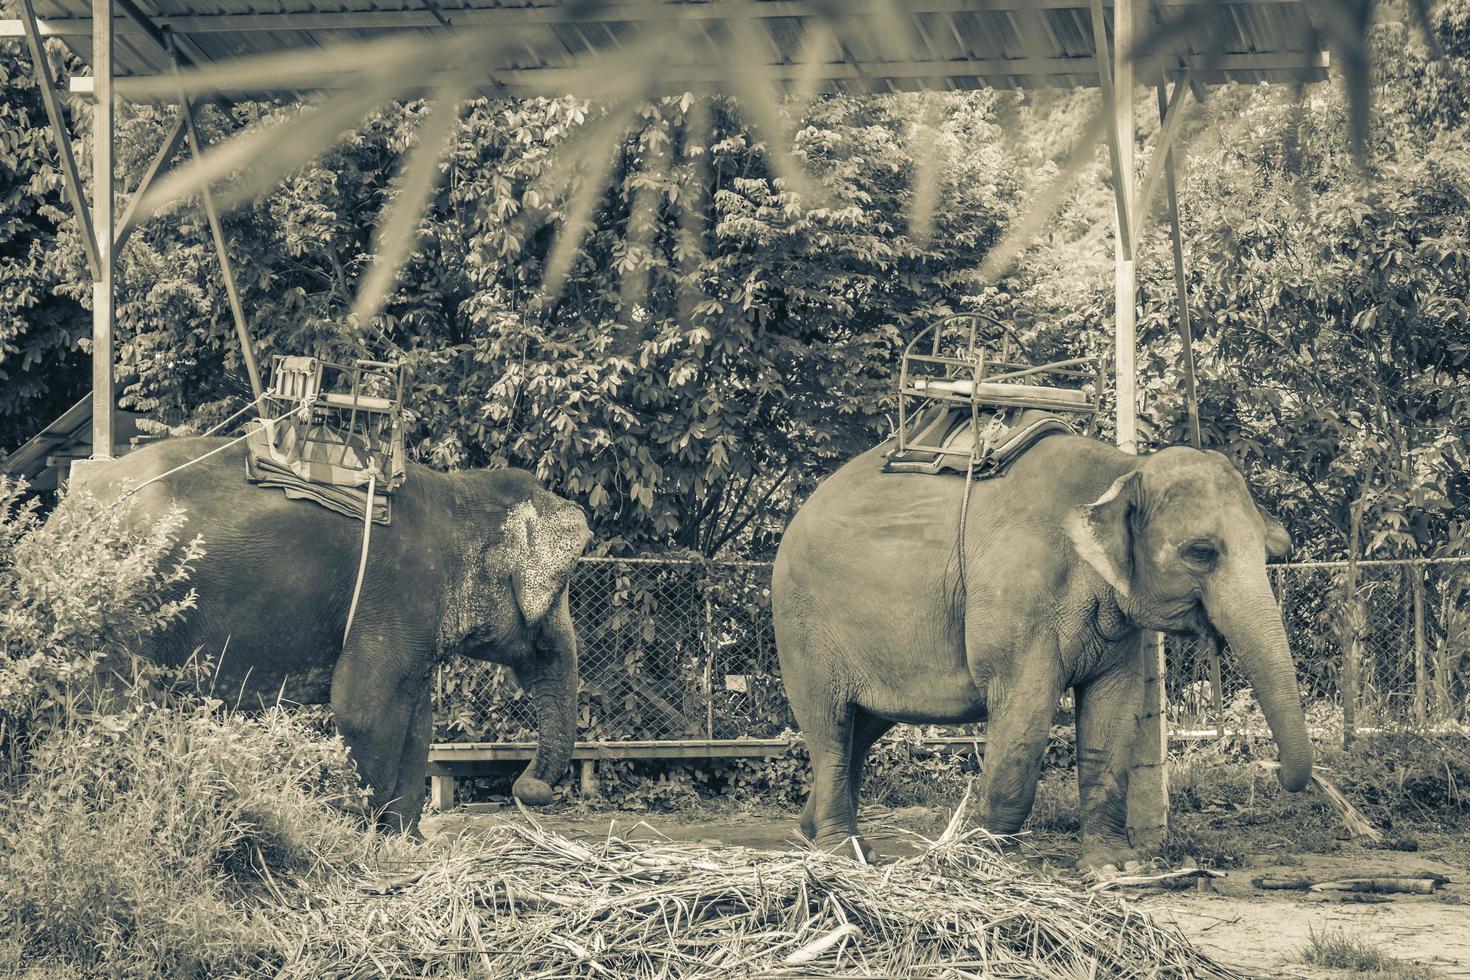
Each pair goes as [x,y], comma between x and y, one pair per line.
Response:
[474,563]
[882,617]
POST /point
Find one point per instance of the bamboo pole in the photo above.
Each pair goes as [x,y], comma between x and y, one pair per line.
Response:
[221,247]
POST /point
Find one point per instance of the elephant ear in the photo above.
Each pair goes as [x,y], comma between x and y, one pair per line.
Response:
[1102,531]
[1278,542]
[548,546]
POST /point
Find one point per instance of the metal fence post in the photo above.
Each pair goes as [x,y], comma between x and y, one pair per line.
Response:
[710,645]
[1415,574]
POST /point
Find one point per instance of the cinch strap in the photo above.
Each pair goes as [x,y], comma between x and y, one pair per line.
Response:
[367,531]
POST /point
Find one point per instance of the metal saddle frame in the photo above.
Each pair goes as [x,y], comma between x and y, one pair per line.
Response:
[337,424]
[950,371]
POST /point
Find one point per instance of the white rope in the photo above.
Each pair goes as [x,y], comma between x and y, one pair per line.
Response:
[367,531]
[248,407]
[182,466]
[960,543]
[188,463]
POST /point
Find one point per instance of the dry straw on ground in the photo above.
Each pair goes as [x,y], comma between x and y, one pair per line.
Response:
[522,902]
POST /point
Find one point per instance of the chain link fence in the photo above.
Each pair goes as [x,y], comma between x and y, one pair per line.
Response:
[1377,643]
[678,650]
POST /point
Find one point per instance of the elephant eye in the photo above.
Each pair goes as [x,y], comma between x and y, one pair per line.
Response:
[1200,553]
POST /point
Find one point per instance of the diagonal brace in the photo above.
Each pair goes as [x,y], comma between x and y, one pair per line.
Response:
[1163,151]
[1105,83]
[216,230]
[170,146]
[70,176]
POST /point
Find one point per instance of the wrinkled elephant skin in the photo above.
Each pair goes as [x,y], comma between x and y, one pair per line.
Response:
[474,563]
[1066,558]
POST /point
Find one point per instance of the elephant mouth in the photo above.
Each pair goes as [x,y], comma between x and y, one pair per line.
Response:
[1186,618]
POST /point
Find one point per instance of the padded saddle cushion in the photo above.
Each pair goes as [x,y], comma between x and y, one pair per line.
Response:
[1006,436]
[323,469]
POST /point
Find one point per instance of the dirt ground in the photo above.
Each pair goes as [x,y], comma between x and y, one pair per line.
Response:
[1261,933]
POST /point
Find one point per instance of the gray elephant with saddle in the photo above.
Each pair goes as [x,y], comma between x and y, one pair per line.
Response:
[904,592]
[474,563]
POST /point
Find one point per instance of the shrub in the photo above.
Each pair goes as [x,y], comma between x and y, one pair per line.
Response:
[87,583]
[144,831]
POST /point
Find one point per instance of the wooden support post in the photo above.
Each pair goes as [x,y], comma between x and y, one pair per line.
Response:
[66,161]
[1217,692]
[587,778]
[1181,283]
[221,247]
[103,287]
[1443,676]
[441,793]
[1169,114]
[1148,780]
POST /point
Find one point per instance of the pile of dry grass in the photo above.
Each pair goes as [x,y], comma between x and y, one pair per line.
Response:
[522,902]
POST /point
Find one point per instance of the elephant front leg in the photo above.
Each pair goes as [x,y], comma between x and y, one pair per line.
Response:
[413,764]
[1021,704]
[1107,726]
[550,676]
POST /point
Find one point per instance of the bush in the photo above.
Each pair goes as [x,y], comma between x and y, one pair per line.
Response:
[85,586]
[145,831]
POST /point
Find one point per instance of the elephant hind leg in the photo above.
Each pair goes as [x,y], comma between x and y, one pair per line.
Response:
[867,728]
[829,817]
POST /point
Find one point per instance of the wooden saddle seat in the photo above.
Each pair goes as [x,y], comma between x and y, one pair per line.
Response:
[971,399]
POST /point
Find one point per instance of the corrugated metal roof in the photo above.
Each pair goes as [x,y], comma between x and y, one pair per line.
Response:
[955,43]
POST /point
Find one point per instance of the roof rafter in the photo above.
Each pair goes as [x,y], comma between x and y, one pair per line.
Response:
[579,80]
[434,16]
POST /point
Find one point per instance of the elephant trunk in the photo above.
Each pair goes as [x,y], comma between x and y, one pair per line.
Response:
[1243,609]
[551,678]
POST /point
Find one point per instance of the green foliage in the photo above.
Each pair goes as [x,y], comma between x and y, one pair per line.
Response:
[1336,950]
[141,826]
[42,368]
[83,588]
[145,840]
[1329,304]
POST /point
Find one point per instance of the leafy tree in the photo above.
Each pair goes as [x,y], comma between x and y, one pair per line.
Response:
[42,365]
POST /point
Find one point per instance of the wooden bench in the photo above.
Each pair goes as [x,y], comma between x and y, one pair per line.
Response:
[449,760]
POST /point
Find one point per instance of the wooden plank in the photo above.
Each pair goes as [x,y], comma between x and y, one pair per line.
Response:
[1170,116]
[103,187]
[65,160]
[1003,70]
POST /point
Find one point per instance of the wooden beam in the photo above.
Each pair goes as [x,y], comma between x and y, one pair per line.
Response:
[1111,77]
[1003,70]
[159,164]
[221,247]
[1170,116]
[544,15]
[104,398]
[65,160]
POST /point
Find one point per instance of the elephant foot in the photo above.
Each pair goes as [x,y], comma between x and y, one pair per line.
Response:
[532,791]
[1104,857]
